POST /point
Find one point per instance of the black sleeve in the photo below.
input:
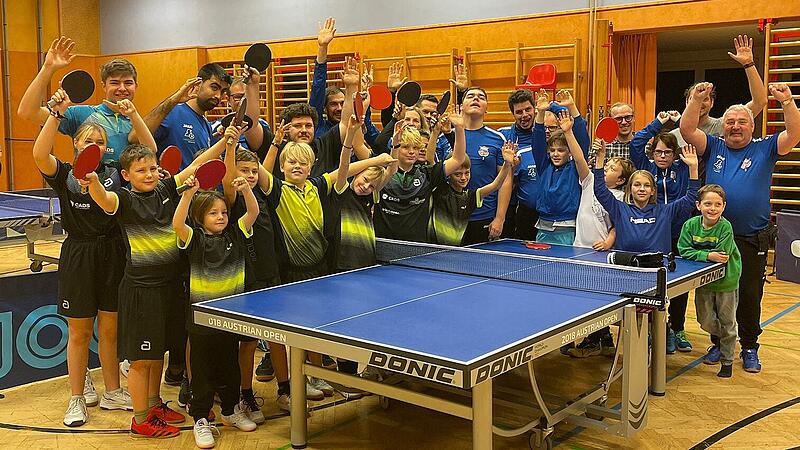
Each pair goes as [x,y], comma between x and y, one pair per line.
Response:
[328,148]
[382,141]
[460,96]
[451,138]
[386,114]
[265,143]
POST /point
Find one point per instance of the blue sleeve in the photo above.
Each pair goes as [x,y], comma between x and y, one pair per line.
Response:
[498,157]
[442,148]
[683,206]
[539,147]
[604,196]
[372,132]
[318,86]
[162,132]
[639,141]
[581,131]
[74,116]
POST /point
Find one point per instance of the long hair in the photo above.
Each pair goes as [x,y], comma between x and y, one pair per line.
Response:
[646,174]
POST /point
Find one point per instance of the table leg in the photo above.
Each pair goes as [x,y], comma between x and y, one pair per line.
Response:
[658,354]
[297,385]
[482,415]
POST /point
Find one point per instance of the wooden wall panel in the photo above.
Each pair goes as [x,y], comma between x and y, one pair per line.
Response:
[80,20]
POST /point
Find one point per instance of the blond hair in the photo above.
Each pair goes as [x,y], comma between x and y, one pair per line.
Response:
[298,151]
[411,137]
[87,128]
[629,184]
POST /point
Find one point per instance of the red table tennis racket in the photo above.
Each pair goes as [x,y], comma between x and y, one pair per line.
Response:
[536,245]
[358,108]
[380,97]
[443,103]
[86,162]
[258,56]
[409,93]
[78,84]
[238,119]
[208,175]
[171,159]
[607,129]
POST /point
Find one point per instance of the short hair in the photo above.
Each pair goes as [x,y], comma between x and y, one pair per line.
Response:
[202,202]
[332,90]
[475,88]
[688,92]
[214,70]
[626,167]
[715,188]
[465,165]
[117,66]
[519,96]
[299,151]
[135,152]
[619,105]
[557,137]
[739,107]
[87,128]
[373,172]
[411,137]
[299,110]
[245,155]
[669,140]
[646,174]
[426,98]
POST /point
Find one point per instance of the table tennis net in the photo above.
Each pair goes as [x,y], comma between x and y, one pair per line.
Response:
[532,269]
[25,202]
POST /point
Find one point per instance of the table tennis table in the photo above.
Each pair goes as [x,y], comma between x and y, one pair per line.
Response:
[459,317]
[32,214]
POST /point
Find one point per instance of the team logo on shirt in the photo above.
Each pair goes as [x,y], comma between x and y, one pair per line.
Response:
[417,183]
[718,163]
[746,164]
[673,175]
[483,151]
[188,135]
[532,172]
[642,220]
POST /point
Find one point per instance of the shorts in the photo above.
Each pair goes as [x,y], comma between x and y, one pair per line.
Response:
[149,320]
[89,274]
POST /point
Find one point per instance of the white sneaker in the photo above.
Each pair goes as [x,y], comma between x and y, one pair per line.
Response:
[322,385]
[89,392]
[313,393]
[119,399]
[285,402]
[204,434]
[76,414]
[124,367]
[239,420]
[251,407]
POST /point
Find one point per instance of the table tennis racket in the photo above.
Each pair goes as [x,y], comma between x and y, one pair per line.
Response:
[171,159]
[409,93]
[536,245]
[78,84]
[443,103]
[258,56]
[607,129]
[87,162]
[238,119]
[208,175]
[226,120]
[358,107]
[380,97]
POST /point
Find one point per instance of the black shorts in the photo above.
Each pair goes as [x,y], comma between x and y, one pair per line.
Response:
[148,320]
[89,272]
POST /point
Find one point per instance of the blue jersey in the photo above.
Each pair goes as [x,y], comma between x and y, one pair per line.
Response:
[746,175]
[672,182]
[648,229]
[317,101]
[560,189]
[485,152]
[185,129]
[443,147]
[527,188]
[117,126]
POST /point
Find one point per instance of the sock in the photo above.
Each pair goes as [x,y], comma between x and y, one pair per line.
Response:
[283,387]
[153,401]
[140,416]
[115,391]
[247,392]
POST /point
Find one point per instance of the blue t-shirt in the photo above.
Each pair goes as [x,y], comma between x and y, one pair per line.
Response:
[242,140]
[117,126]
[527,187]
[443,147]
[560,189]
[672,182]
[485,152]
[185,129]
[746,175]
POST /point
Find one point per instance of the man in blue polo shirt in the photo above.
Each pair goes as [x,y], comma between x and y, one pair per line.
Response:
[118,80]
[743,167]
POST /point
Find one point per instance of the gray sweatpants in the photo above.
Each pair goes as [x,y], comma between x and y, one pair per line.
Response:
[716,312]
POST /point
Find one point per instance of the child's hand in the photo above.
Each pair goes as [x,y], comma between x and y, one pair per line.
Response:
[62,101]
[565,121]
[718,257]
[87,180]
[399,110]
[510,153]
[663,117]
[674,116]
[599,147]
[193,184]
[232,134]
[399,127]
[386,159]
[564,98]
[240,184]
[124,107]
[600,246]
[542,100]
[689,155]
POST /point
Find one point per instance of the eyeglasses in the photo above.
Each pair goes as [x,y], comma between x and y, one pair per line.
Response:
[663,152]
[236,97]
[628,118]
[551,128]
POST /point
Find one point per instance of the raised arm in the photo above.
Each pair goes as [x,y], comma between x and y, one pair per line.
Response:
[565,121]
[744,56]
[350,77]
[339,182]
[255,135]
[154,118]
[642,137]
[789,137]
[460,151]
[604,196]
[42,148]
[320,81]
[213,152]
[683,207]
[104,199]
[250,202]
[230,173]
[182,210]
[579,127]
[272,152]
[126,108]
[539,141]
[691,117]
[436,130]
[58,56]
[511,160]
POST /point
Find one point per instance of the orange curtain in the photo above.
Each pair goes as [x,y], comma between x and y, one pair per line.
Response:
[635,72]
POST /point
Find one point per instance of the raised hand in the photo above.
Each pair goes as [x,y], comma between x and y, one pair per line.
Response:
[542,100]
[599,147]
[718,257]
[689,155]
[124,107]
[744,49]
[395,78]
[350,74]
[59,55]
[399,127]
[510,153]
[250,75]
[460,76]
[564,98]
[674,116]
[663,117]
[193,184]
[280,132]
[368,77]
[326,32]
[232,134]
[457,118]
[780,91]
[399,110]
[240,184]
[565,121]
[701,91]
[62,101]
[188,91]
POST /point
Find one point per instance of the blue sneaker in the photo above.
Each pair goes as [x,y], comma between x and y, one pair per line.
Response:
[713,356]
[670,341]
[750,360]
[681,342]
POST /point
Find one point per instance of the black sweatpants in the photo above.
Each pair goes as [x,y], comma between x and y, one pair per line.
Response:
[526,223]
[215,367]
[677,305]
[751,289]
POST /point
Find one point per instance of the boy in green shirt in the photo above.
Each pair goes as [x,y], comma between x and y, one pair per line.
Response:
[710,238]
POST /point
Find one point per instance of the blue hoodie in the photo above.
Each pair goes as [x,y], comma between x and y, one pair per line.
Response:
[672,182]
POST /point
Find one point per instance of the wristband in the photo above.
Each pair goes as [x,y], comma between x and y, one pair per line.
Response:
[349,148]
[787,101]
[750,64]
[276,145]
[395,146]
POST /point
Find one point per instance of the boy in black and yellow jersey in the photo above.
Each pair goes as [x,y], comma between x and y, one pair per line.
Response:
[453,204]
[150,286]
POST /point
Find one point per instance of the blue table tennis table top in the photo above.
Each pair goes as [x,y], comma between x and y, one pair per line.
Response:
[24,204]
[448,317]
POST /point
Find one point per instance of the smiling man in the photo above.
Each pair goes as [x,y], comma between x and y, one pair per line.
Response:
[118,81]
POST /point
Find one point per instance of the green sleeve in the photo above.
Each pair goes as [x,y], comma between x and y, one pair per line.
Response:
[685,243]
[726,242]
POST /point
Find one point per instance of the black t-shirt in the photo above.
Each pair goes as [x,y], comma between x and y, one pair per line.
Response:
[403,210]
[450,214]
[261,261]
[355,239]
[81,218]
[327,149]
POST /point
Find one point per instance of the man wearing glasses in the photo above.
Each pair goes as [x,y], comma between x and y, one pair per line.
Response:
[621,147]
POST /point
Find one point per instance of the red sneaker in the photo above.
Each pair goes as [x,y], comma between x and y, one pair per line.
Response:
[168,415]
[153,427]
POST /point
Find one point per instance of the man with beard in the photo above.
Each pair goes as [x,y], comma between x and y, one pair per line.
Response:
[180,120]
[118,79]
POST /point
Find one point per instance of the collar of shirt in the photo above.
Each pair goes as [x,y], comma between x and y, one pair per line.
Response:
[302,191]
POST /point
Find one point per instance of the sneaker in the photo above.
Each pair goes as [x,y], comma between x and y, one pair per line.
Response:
[313,393]
[607,347]
[154,427]
[76,414]
[185,394]
[124,367]
[167,414]
[119,399]
[348,392]
[263,346]
[750,360]
[173,378]
[239,420]
[681,342]
[585,349]
[89,392]
[713,356]
[725,371]
[285,402]
[565,348]
[250,406]
[265,372]
[322,385]
[373,374]
[204,434]
[670,341]
[328,362]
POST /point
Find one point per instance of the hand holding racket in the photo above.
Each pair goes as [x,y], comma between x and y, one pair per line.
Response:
[60,101]
[78,84]
[607,129]
[232,134]
[208,176]
[171,160]
[190,186]
[86,162]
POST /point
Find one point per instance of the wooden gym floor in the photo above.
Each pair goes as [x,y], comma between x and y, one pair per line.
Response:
[699,411]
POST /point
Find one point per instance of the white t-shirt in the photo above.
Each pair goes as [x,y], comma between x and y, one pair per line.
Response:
[592,223]
[713,127]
